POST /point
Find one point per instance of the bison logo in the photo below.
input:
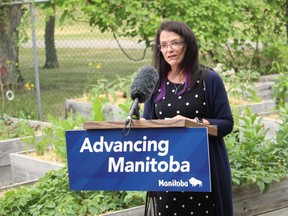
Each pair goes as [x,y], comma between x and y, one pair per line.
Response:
[194,182]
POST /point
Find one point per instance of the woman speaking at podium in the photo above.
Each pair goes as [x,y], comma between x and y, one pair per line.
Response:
[186,89]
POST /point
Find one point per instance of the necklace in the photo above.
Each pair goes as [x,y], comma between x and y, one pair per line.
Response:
[177,87]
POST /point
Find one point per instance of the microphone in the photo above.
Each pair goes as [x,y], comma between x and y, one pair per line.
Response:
[141,89]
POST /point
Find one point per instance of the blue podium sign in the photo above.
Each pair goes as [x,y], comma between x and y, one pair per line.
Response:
[155,159]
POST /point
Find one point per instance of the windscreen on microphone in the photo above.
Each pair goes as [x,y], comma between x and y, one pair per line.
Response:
[144,83]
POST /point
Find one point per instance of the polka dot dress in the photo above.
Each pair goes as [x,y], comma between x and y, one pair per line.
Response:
[185,204]
[191,104]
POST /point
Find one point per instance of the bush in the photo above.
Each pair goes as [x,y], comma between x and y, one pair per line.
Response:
[253,158]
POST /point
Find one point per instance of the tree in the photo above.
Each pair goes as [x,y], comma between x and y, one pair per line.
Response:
[10,16]
[50,49]
[223,28]
[235,33]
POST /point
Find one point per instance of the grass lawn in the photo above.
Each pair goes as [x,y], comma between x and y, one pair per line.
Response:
[69,80]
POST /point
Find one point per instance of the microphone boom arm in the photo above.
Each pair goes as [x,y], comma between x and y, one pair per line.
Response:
[134,110]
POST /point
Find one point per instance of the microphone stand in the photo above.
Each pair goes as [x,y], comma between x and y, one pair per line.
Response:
[136,113]
[133,112]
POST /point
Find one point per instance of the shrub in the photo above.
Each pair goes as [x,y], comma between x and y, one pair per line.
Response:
[253,158]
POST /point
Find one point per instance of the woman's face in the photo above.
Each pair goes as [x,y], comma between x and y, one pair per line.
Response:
[172,47]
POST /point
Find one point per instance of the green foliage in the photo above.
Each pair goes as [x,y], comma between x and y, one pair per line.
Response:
[100,94]
[238,33]
[54,136]
[51,196]
[254,159]
[15,129]
[105,92]
[282,133]
[241,85]
[280,87]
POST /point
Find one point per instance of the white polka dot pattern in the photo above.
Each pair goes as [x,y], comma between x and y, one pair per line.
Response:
[190,104]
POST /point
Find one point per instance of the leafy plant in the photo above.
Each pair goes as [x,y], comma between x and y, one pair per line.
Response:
[280,87]
[51,196]
[241,84]
[282,134]
[54,136]
[254,159]
[101,94]
[105,93]
[16,129]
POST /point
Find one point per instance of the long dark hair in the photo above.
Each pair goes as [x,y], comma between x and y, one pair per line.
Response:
[190,63]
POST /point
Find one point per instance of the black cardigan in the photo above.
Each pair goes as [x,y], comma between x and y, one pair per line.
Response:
[218,112]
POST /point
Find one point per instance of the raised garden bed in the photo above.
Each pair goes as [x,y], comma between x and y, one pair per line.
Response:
[264,85]
[84,108]
[11,146]
[272,124]
[248,201]
[14,145]
[260,108]
[8,146]
[26,168]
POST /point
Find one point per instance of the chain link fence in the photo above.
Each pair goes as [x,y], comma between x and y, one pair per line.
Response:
[82,56]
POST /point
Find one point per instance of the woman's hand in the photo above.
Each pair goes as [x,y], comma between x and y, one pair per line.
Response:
[183,117]
[205,121]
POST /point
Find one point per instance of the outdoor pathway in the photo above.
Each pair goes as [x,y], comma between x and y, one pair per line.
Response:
[92,44]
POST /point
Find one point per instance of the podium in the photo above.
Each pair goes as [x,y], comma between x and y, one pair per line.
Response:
[155,155]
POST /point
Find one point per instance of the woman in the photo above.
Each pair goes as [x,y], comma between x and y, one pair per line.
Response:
[189,90]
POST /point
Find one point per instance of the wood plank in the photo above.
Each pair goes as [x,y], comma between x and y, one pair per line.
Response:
[279,212]
[171,123]
[248,200]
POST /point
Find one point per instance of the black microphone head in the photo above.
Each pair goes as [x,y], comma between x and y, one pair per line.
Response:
[144,83]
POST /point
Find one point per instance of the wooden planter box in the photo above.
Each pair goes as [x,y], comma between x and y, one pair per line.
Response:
[12,146]
[136,211]
[6,148]
[26,168]
[16,145]
[264,86]
[248,201]
[74,106]
[273,125]
[111,112]
[260,108]
[16,185]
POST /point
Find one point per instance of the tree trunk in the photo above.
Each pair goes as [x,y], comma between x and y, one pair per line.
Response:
[9,49]
[286,20]
[50,49]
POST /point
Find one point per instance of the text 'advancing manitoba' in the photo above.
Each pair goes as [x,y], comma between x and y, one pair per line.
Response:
[146,164]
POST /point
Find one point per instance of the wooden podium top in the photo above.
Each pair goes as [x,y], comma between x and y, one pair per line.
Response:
[159,123]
